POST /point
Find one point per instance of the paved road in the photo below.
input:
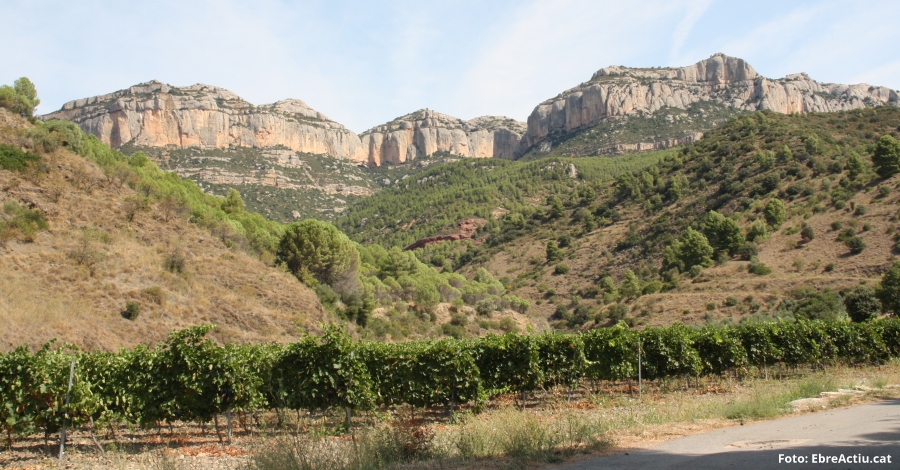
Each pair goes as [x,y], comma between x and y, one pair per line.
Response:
[867,430]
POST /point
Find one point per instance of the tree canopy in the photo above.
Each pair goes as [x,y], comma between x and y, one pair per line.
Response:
[21,98]
[317,249]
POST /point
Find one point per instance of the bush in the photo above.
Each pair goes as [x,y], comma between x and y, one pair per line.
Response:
[758,268]
[617,312]
[731,301]
[691,249]
[174,262]
[553,252]
[836,225]
[132,310]
[757,231]
[485,307]
[748,251]
[807,233]
[775,212]
[860,210]
[862,303]
[826,305]
[13,159]
[561,268]
[889,290]
[886,156]
[829,267]
[856,245]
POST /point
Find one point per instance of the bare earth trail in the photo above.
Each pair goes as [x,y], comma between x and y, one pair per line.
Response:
[871,431]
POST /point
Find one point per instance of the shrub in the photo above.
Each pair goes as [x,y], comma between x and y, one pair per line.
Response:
[748,251]
[836,225]
[860,210]
[132,310]
[775,212]
[617,312]
[886,156]
[826,305]
[174,262]
[856,245]
[889,290]
[485,307]
[561,268]
[829,267]
[884,191]
[691,249]
[553,252]
[758,268]
[862,303]
[757,231]
[13,159]
[731,301]
[807,233]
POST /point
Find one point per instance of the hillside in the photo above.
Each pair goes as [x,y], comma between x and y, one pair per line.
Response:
[432,196]
[622,109]
[620,229]
[84,234]
[279,183]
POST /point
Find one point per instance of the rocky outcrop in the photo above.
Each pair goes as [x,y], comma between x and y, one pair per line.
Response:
[426,132]
[618,92]
[154,114]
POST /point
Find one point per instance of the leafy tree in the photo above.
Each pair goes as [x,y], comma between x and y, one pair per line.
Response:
[862,303]
[855,166]
[397,263]
[886,156]
[21,98]
[318,249]
[889,290]
[233,202]
[724,234]
[757,231]
[689,250]
[553,252]
[631,285]
[774,212]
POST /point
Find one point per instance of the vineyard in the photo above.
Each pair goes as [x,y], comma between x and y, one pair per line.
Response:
[191,378]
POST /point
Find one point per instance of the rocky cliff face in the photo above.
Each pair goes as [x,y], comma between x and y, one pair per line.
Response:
[425,132]
[154,114]
[620,92]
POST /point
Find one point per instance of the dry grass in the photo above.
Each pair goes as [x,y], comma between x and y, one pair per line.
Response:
[73,280]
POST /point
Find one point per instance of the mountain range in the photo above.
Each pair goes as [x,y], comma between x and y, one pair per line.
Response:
[292,161]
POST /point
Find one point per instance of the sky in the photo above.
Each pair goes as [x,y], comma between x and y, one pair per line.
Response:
[363,63]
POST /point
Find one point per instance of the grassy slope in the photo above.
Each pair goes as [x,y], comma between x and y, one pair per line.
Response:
[721,173]
[47,293]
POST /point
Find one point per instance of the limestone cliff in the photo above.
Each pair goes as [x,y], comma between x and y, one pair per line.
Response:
[619,92]
[154,114]
[425,132]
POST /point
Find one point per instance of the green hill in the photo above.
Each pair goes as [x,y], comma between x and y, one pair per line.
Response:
[612,223]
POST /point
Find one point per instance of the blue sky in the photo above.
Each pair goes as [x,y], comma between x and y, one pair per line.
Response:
[364,63]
